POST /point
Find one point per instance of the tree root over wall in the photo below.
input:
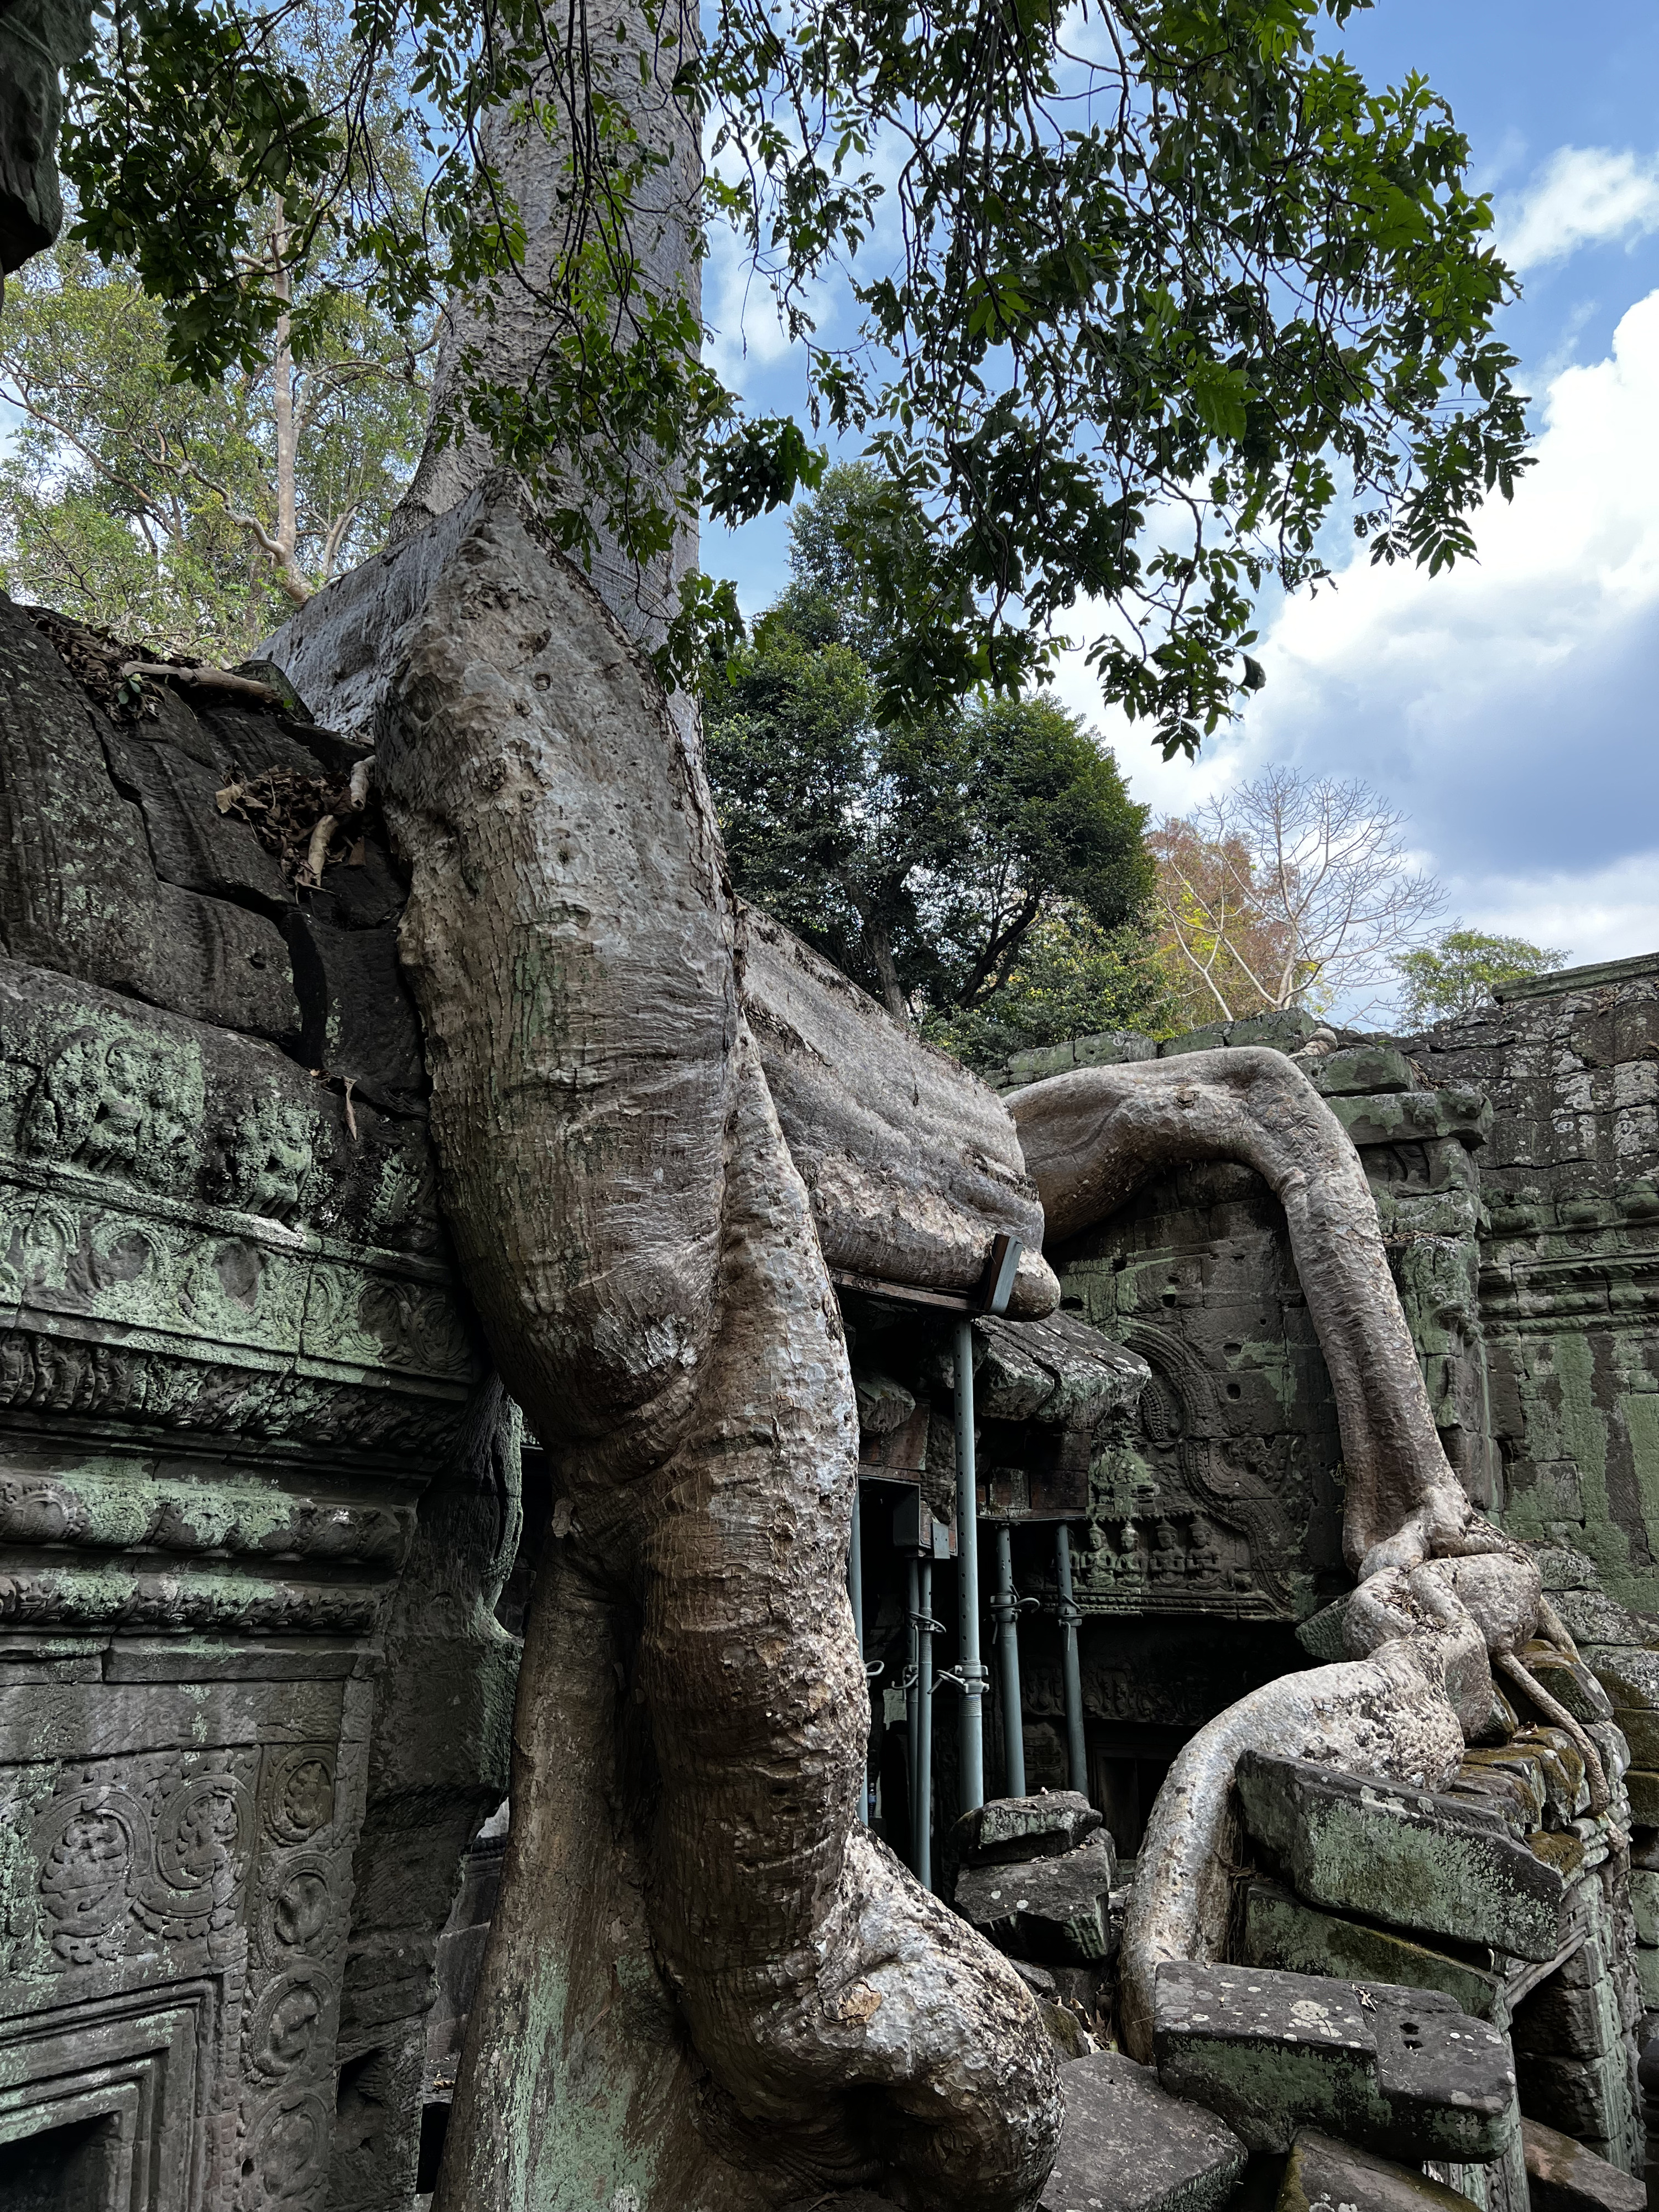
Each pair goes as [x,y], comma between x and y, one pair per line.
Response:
[1442,1593]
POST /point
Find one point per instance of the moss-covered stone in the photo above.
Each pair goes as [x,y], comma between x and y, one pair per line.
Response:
[1435,1864]
[1281,1931]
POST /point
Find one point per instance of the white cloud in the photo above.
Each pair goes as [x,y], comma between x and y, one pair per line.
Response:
[1583,196]
[1602,914]
[1511,708]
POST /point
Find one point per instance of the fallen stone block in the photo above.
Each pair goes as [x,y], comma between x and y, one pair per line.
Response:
[1129,2146]
[1044,1827]
[1321,2174]
[1400,2071]
[1281,1931]
[1053,1911]
[1414,1859]
[1562,2176]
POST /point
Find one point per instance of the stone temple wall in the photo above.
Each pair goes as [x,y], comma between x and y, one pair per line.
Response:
[1514,1155]
[253,1701]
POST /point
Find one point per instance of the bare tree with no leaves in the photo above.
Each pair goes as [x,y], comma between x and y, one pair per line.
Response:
[1289,891]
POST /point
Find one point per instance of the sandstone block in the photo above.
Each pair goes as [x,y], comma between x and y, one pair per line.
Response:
[1410,1859]
[1052,1909]
[1562,2176]
[1563,2021]
[1569,1682]
[1129,2146]
[1323,2173]
[1629,1675]
[1281,1931]
[1645,1903]
[1400,2071]
[1641,1787]
[1043,1826]
[1581,2096]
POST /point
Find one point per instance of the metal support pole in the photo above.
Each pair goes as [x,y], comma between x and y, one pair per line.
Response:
[855,1591]
[971,1743]
[1004,1611]
[912,1677]
[922,1829]
[1076,1753]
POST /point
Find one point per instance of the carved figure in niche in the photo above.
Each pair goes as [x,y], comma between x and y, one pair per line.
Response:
[83,1885]
[122,1106]
[1168,1560]
[273,1153]
[1203,1561]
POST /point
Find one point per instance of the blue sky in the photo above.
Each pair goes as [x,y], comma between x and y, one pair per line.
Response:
[1508,709]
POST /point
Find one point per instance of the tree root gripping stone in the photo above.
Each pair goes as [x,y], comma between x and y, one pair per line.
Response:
[1129,2146]
[1400,2071]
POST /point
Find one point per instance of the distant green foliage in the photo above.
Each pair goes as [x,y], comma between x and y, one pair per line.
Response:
[918,855]
[1072,979]
[150,506]
[1459,973]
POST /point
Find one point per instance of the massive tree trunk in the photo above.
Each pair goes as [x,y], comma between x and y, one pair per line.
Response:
[707,1984]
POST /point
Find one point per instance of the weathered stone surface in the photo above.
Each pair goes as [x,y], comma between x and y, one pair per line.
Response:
[360,1022]
[1562,2021]
[1043,1826]
[38,38]
[1562,2176]
[1281,1931]
[1585,2097]
[1641,1787]
[1415,1117]
[1052,1909]
[1628,1673]
[1360,1069]
[1570,1681]
[1059,1371]
[1321,2173]
[1437,1864]
[1401,2072]
[1129,2146]
[1645,1903]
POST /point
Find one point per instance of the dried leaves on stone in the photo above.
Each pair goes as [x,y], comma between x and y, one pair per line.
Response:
[285,810]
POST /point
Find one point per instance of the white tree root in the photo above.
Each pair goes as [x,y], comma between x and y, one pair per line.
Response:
[1442,1593]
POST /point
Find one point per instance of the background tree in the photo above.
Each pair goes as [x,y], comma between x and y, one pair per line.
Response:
[919,855]
[1288,891]
[1072,979]
[193,517]
[1458,974]
[1158,303]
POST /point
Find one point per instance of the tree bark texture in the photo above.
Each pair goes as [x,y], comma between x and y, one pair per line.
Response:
[708,1984]
[501,334]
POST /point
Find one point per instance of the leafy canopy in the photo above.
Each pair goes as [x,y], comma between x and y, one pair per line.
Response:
[1146,292]
[916,854]
[1462,971]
